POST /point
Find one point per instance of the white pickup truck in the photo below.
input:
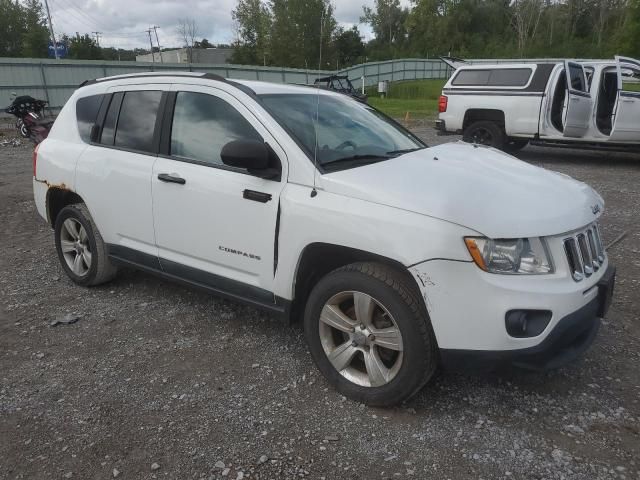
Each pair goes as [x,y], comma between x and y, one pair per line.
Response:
[584,104]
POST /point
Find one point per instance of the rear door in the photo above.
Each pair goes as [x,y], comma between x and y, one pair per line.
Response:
[578,103]
[114,173]
[626,115]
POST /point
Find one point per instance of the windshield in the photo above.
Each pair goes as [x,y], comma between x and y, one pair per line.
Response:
[349,133]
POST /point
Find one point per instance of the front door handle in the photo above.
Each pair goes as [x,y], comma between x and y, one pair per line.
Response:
[171,178]
[256,196]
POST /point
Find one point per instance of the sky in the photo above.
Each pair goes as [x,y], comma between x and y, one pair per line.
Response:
[122,23]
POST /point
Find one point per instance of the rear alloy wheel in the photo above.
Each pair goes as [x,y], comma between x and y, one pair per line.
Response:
[80,247]
[485,133]
[370,335]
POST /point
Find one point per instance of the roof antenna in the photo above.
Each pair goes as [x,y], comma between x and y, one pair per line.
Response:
[314,192]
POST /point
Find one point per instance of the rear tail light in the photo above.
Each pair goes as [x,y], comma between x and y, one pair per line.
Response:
[442,103]
[35,159]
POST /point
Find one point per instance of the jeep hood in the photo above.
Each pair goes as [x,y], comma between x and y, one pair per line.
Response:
[477,187]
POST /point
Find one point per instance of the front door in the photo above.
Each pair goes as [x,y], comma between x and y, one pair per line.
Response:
[215,225]
[626,116]
[578,103]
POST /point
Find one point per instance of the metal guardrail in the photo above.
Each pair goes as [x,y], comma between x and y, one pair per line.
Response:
[55,80]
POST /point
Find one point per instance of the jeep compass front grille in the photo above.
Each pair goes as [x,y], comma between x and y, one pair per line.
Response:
[585,252]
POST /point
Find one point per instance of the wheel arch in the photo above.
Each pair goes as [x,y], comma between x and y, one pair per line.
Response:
[483,114]
[58,198]
[318,259]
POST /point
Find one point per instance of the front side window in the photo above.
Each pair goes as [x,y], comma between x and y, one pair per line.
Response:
[87,109]
[137,120]
[203,124]
[347,133]
[577,78]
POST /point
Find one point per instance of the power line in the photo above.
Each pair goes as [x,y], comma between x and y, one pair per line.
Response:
[155,29]
[153,57]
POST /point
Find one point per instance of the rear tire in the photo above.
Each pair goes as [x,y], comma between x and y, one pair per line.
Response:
[370,335]
[485,132]
[81,249]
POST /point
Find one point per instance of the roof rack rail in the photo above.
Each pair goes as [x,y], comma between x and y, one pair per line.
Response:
[208,76]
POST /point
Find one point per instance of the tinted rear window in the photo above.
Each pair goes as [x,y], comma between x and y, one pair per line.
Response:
[86,113]
[498,77]
[137,120]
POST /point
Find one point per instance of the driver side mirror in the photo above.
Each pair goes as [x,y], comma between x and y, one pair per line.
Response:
[252,155]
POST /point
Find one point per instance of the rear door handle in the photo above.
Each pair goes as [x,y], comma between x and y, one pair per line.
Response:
[171,178]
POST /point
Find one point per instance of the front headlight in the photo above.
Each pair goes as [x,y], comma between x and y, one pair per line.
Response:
[510,256]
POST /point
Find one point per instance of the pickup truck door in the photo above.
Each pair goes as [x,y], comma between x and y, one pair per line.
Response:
[215,225]
[626,115]
[578,103]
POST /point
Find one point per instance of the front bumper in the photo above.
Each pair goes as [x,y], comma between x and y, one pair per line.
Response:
[467,308]
[567,341]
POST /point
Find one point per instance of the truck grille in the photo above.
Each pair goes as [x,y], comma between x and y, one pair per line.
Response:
[585,252]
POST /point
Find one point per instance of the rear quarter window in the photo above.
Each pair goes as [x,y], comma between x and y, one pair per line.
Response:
[87,109]
[494,77]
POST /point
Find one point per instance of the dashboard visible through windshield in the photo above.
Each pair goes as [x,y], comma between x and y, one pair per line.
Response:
[347,133]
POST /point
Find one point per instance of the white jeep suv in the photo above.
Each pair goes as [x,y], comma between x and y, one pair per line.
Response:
[398,257]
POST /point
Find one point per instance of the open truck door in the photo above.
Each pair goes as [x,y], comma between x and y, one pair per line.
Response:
[578,102]
[626,114]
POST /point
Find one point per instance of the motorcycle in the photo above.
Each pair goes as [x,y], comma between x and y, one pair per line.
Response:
[30,121]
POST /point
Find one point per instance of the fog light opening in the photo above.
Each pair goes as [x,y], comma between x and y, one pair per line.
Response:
[526,323]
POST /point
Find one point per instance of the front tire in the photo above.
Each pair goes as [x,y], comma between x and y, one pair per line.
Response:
[486,133]
[81,249]
[370,335]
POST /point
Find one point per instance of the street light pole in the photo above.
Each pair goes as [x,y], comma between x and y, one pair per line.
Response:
[53,35]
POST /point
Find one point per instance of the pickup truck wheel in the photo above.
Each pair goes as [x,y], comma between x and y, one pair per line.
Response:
[370,335]
[485,133]
[81,250]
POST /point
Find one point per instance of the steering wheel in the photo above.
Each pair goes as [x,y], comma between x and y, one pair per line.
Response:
[345,144]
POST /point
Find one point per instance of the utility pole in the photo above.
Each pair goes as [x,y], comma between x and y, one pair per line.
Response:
[153,57]
[155,29]
[97,34]
[53,35]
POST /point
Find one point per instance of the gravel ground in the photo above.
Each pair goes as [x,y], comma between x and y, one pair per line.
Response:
[158,381]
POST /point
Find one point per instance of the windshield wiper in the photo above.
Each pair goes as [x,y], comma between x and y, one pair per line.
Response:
[370,158]
[406,150]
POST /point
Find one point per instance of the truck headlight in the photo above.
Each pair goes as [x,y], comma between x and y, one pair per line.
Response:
[515,256]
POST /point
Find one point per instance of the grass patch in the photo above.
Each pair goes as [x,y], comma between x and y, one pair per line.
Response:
[398,108]
[418,97]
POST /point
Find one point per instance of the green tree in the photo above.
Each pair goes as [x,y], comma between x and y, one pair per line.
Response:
[35,39]
[204,43]
[388,22]
[11,28]
[300,30]
[348,45]
[83,47]
[253,22]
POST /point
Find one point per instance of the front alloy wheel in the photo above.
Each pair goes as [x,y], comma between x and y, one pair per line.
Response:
[361,339]
[369,333]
